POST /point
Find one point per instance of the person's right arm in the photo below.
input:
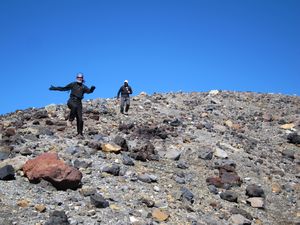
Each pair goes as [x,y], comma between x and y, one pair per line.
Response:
[66,88]
[119,92]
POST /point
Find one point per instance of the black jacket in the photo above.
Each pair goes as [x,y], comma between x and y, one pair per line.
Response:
[77,89]
[125,91]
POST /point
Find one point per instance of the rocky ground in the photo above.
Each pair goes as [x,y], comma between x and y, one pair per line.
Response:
[178,158]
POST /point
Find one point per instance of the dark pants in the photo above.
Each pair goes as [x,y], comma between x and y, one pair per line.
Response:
[75,106]
[125,102]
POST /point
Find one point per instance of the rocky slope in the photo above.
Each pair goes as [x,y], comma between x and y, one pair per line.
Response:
[178,158]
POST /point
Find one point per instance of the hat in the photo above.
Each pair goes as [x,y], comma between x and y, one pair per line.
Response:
[125,81]
[79,75]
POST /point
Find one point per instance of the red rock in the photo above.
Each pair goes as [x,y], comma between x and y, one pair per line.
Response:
[48,167]
[227,176]
[10,132]
[216,181]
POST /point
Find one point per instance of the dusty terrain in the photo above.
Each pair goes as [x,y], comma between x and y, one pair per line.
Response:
[196,158]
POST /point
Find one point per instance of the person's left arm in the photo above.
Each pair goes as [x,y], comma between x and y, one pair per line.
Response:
[130,90]
[89,90]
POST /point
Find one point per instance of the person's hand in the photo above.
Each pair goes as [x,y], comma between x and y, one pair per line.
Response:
[51,88]
[93,88]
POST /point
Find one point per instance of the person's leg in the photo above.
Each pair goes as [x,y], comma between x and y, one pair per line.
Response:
[122,104]
[72,107]
[127,104]
[79,119]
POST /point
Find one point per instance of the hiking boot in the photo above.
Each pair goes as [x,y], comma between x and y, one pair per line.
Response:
[80,136]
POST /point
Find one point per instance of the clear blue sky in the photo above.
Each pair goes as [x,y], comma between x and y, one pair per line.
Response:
[158,45]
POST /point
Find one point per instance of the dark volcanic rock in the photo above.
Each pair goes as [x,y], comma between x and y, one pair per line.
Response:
[294,138]
[187,195]
[7,173]
[41,114]
[121,142]
[58,217]
[114,170]
[144,153]
[229,196]
[99,201]
[227,178]
[254,190]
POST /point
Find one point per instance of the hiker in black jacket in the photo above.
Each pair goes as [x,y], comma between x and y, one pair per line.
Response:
[78,89]
[125,90]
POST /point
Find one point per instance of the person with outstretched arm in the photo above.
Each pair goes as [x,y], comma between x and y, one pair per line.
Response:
[78,89]
[125,90]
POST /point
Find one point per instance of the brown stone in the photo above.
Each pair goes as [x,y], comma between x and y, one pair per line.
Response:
[230,178]
[24,203]
[40,208]
[229,123]
[287,126]
[48,167]
[276,188]
[159,215]
[227,176]
[10,132]
[216,181]
[111,148]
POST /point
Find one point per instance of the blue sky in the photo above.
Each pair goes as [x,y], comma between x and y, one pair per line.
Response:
[158,45]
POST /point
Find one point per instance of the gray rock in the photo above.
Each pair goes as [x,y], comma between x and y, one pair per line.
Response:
[229,196]
[114,170]
[173,154]
[7,173]
[99,201]
[254,190]
[58,217]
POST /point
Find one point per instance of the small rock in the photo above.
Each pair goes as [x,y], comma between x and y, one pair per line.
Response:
[173,154]
[99,201]
[114,170]
[256,202]
[213,189]
[24,203]
[220,153]
[187,195]
[254,190]
[40,208]
[276,188]
[58,217]
[182,165]
[294,138]
[7,173]
[159,215]
[87,191]
[238,219]
[229,196]
[127,160]
[287,126]
[206,154]
[111,148]
[149,203]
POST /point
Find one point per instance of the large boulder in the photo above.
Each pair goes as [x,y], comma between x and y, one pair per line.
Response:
[47,166]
